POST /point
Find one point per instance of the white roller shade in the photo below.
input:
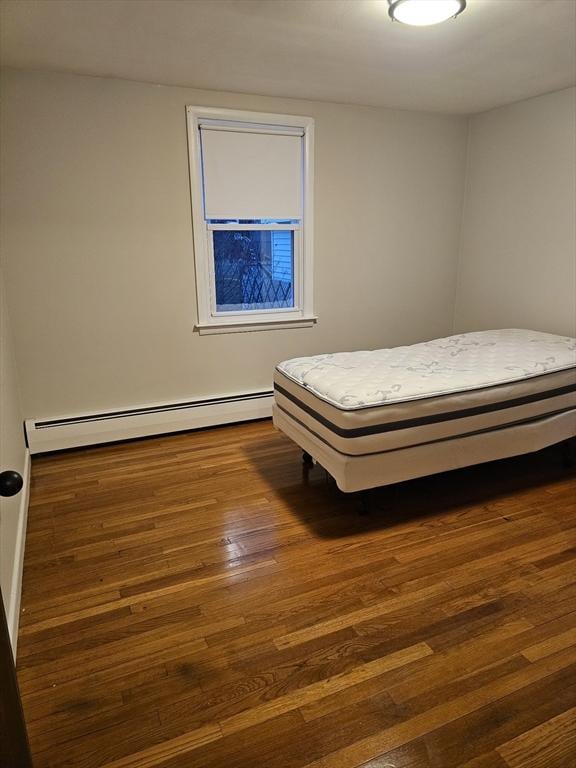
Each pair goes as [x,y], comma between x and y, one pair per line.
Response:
[251,175]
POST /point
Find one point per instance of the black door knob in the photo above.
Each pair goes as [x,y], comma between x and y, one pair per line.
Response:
[10,483]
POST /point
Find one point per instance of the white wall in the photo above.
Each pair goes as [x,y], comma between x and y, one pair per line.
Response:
[518,249]
[13,455]
[97,240]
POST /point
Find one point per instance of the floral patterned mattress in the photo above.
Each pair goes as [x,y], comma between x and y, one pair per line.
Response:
[467,361]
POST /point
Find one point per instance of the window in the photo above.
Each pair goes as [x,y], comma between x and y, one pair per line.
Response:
[251,185]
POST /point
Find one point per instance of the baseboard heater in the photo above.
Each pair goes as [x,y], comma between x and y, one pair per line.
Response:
[107,427]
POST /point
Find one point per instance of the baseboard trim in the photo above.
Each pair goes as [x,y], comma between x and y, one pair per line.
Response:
[13,601]
[155,419]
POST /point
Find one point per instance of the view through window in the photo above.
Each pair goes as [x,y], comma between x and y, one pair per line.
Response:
[253,269]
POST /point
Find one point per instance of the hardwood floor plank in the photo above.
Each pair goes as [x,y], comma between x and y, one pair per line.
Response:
[550,645]
[436,717]
[159,753]
[552,743]
[488,760]
[323,688]
[471,736]
[358,617]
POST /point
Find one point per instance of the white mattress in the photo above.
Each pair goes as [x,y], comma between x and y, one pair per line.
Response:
[468,361]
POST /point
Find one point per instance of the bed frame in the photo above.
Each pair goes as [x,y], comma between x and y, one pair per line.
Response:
[359,473]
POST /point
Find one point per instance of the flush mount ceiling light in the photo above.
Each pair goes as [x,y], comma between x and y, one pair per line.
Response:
[421,13]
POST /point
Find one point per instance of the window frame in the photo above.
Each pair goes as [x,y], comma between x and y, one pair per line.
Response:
[209,319]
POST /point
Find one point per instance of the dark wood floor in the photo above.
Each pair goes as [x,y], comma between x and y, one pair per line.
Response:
[190,602]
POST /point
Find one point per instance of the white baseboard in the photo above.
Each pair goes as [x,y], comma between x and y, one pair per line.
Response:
[13,599]
[106,427]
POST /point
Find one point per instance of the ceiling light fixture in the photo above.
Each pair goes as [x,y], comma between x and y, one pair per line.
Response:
[421,13]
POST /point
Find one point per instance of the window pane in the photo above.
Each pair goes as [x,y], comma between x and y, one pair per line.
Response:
[254,269]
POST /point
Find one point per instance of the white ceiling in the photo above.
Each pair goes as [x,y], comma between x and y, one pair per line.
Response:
[496,52]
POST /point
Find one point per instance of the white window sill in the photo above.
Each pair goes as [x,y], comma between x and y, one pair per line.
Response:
[207,329]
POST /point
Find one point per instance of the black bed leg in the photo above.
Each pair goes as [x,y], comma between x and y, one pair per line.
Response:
[307,465]
[569,453]
[365,498]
